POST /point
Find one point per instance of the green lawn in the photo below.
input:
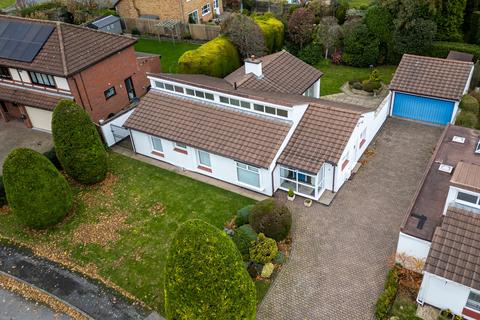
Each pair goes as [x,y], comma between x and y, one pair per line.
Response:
[358,4]
[169,51]
[139,207]
[6,3]
[404,309]
[336,75]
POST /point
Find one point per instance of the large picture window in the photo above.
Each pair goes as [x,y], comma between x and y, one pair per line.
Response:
[42,79]
[248,174]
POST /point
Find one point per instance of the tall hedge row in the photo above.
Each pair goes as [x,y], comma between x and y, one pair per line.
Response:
[206,277]
[216,58]
[77,143]
[273,31]
[441,49]
[36,191]
[474,32]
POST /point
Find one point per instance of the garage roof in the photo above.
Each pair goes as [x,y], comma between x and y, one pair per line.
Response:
[433,77]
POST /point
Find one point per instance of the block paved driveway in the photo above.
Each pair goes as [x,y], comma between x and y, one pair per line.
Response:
[340,253]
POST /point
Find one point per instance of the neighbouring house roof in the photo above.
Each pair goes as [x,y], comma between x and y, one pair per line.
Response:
[321,136]
[30,98]
[221,85]
[281,72]
[455,250]
[69,48]
[434,77]
[460,56]
[467,176]
[430,197]
[105,21]
[233,134]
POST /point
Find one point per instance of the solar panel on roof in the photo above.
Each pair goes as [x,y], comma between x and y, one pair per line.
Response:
[22,41]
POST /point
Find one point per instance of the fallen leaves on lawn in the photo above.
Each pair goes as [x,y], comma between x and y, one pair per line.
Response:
[4,210]
[157,209]
[34,294]
[101,194]
[105,231]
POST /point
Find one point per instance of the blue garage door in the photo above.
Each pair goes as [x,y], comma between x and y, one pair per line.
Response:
[422,109]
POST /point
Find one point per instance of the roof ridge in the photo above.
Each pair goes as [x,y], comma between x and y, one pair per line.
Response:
[439,59]
[337,108]
[62,48]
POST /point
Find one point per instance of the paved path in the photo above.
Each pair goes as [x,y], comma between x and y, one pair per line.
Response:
[339,258]
[87,295]
[16,307]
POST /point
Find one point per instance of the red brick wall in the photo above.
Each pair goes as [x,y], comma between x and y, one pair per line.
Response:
[89,85]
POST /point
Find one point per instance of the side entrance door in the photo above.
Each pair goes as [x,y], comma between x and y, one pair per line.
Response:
[130,89]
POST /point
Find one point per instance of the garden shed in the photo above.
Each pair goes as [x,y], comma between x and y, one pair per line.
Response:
[429,89]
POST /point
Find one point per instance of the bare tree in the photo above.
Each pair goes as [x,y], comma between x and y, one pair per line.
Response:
[328,33]
[245,34]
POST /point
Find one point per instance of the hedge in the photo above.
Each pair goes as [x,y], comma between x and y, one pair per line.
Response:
[273,31]
[38,195]
[271,218]
[386,299]
[440,49]
[205,277]
[216,58]
[469,104]
[77,143]
[243,215]
[474,32]
[466,119]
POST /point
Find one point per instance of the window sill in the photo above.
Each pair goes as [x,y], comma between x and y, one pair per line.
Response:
[158,154]
[207,169]
[183,151]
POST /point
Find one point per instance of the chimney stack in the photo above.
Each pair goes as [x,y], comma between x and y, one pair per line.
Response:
[253,65]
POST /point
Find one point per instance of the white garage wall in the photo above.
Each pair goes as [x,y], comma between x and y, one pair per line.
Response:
[412,247]
[224,169]
[40,119]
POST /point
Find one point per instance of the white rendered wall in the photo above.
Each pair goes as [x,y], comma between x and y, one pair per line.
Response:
[224,169]
[107,130]
[412,247]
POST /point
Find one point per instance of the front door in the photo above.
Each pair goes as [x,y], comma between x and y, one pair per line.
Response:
[130,89]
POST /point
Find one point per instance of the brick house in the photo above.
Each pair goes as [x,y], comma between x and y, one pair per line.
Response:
[99,71]
[193,11]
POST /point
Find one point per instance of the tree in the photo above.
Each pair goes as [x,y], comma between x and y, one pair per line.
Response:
[328,33]
[38,195]
[379,21]
[205,277]
[449,19]
[300,26]
[361,48]
[77,143]
[415,37]
[245,34]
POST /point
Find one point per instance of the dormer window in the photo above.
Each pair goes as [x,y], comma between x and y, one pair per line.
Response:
[468,199]
[42,79]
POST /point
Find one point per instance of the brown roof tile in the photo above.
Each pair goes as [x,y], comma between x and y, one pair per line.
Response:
[233,134]
[70,48]
[454,253]
[282,72]
[321,136]
[467,175]
[29,97]
[435,77]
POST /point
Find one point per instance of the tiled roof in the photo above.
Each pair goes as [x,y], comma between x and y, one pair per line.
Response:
[321,136]
[29,97]
[467,176]
[434,77]
[455,250]
[281,72]
[70,48]
[226,132]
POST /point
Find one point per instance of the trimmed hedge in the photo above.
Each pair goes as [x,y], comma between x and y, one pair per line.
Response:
[3,195]
[243,215]
[205,277]
[38,195]
[273,31]
[271,218]
[466,119]
[387,298]
[216,58]
[469,104]
[440,49]
[243,238]
[77,143]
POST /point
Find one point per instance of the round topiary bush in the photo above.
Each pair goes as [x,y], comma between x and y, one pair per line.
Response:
[263,250]
[77,143]
[469,104]
[272,218]
[205,277]
[36,191]
[243,238]
[466,119]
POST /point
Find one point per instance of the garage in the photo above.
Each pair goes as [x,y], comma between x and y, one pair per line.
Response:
[40,119]
[423,109]
[429,89]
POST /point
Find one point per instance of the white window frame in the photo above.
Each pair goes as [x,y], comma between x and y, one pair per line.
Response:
[199,159]
[209,9]
[478,303]
[180,146]
[251,169]
[466,203]
[196,13]
[152,141]
[298,184]
[215,4]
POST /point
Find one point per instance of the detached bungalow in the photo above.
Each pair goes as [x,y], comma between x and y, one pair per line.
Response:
[261,128]
[429,89]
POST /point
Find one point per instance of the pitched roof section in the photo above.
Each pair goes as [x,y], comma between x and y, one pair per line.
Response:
[233,134]
[282,72]
[321,136]
[70,48]
[467,176]
[455,250]
[434,77]
[29,97]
